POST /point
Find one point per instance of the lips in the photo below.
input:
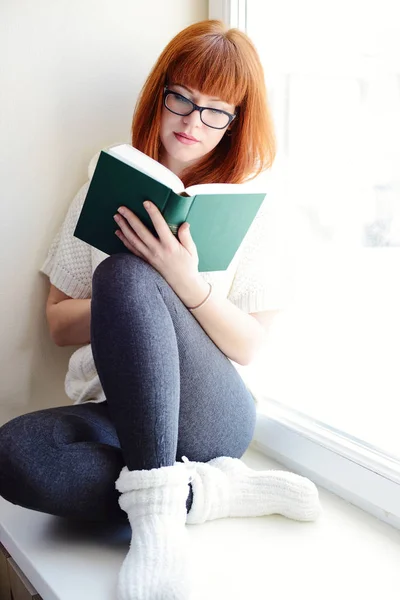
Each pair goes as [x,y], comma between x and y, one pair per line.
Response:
[184,138]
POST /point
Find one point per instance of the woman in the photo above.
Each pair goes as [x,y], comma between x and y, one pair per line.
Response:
[161,416]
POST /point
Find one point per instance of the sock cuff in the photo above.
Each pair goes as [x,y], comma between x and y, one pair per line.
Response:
[148,478]
[211,494]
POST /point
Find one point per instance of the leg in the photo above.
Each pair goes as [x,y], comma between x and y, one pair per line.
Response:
[145,339]
[170,390]
[63,461]
[69,457]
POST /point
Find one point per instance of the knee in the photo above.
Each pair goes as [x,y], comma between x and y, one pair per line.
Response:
[10,432]
[14,434]
[23,445]
[123,269]
[22,438]
[12,437]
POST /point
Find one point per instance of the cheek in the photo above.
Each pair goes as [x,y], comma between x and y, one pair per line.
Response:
[163,124]
[168,121]
[163,127]
[215,137]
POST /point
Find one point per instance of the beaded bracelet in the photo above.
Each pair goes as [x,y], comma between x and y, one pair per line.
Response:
[204,301]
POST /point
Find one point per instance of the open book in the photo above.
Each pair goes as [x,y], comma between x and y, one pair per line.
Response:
[219,214]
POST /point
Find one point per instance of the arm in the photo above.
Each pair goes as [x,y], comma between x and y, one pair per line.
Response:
[238,335]
[68,318]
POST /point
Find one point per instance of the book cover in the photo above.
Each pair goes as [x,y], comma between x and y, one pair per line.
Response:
[218,221]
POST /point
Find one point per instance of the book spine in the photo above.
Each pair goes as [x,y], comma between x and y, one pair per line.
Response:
[176,210]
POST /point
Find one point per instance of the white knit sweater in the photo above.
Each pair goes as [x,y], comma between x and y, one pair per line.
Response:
[70,264]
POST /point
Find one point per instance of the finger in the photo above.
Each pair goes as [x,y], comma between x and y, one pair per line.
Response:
[186,239]
[132,236]
[160,224]
[133,223]
[129,245]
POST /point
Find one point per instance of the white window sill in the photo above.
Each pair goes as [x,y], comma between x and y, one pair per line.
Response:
[344,554]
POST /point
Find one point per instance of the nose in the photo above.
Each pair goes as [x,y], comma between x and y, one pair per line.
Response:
[193,119]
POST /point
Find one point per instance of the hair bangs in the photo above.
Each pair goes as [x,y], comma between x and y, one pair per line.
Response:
[212,70]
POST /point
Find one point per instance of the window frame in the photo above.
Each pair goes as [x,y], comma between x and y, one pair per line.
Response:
[359,473]
[231,12]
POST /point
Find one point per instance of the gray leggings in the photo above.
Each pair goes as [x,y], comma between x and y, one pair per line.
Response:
[170,393]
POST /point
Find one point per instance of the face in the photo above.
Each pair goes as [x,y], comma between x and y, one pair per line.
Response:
[178,150]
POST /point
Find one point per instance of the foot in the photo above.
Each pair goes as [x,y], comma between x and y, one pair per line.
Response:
[226,487]
[156,566]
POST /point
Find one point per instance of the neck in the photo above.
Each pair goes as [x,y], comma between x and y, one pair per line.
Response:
[176,166]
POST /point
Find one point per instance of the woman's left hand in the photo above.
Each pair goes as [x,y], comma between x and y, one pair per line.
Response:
[175,259]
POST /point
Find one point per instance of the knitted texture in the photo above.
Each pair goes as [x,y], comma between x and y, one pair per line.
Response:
[68,263]
[226,487]
[155,567]
[251,281]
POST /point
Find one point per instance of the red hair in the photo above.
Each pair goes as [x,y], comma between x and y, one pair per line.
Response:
[218,62]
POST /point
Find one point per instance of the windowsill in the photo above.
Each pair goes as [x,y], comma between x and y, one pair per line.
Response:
[344,554]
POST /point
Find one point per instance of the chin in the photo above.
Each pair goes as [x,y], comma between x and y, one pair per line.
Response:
[182,153]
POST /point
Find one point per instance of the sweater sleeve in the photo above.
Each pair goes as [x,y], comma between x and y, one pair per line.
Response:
[263,278]
[68,264]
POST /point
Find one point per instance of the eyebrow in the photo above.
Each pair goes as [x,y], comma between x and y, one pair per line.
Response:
[191,92]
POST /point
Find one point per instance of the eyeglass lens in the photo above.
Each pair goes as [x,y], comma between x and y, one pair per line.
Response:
[183,106]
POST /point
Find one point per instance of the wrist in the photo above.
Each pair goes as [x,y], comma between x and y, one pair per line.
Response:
[193,292]
[192,308]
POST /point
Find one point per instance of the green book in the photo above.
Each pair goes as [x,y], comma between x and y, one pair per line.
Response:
[219,214]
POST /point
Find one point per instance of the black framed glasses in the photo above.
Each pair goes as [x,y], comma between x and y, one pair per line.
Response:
[180,105]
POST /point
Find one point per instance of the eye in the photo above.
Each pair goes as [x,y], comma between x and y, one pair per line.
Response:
[179,98]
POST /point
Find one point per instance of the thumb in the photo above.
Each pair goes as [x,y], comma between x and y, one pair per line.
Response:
[185,238]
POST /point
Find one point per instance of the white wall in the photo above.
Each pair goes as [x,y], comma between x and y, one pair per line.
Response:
[69,77]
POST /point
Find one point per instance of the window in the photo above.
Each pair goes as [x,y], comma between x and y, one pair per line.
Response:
[331,371]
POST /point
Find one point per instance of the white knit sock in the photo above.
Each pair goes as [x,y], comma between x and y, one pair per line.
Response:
[155,567]
[226,487]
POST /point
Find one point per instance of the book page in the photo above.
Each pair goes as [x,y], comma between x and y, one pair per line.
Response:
[132,156]
[225,188]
